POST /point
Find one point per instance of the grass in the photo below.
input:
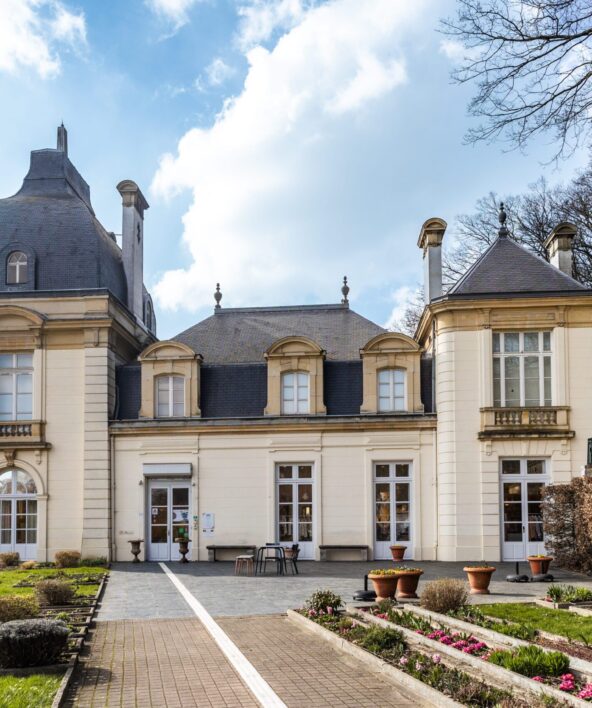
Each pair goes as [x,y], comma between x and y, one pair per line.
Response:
[35,691]
[562,622]
[11,576]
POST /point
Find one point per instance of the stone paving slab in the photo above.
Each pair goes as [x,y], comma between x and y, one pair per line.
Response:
[155,664]
[143,590]
[304,670]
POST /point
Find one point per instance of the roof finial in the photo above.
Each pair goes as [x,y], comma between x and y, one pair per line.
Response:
[62,139]
[345,291]
[217,297]
[502,216]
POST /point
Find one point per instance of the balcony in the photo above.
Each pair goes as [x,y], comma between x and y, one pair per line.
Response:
[539,421]
[22,434]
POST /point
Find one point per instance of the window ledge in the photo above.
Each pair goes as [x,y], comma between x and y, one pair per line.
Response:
[525,421]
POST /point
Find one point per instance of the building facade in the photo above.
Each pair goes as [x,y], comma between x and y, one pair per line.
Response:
[303,424]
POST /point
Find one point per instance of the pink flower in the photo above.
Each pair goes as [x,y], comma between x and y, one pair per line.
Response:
[419,666]
[567,677]
[538,678]
[419,631]
[586,692]
[566,686]
[436,658]
[403,661]
[445,640]
[329,610]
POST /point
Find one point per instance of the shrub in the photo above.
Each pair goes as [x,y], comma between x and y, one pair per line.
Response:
[67,559]
[444,595]
[531,661]
[9,559]
[379,640]
[569,593]
[28,565]
[99,561]
[17,607]
[31,642]
[54,592]
[321,600]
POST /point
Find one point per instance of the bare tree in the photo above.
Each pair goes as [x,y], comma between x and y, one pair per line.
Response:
[532,63]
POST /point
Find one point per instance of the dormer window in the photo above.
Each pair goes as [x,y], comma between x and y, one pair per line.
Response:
[17,267]
[391,390]
[170,396]
[295,392]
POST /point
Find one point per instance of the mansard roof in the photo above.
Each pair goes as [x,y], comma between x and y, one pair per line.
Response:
[507,268]
[243,335]
[52,220]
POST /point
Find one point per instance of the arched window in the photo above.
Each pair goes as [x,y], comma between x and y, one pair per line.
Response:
[295,392]
[18,514]
[148,314]
[391,390]
[17,268]
[170,396]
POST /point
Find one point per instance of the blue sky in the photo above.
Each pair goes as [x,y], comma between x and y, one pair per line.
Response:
[281,143]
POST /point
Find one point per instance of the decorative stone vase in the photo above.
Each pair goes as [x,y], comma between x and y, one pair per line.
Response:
[408,582]
[136,550]
[479,578]
[183,548]
[539,565]
[397,552]
[385,586]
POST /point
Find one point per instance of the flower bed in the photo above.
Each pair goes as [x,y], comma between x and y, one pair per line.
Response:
[549,668]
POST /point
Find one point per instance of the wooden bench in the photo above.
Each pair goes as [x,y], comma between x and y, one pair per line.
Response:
[325,549]
[212,550]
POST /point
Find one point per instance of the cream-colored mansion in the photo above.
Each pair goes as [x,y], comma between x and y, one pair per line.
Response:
[308,425]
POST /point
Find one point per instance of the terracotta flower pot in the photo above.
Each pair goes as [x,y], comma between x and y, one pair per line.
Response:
[539,565]
[398,552]
[385,586]
[408,582]
[479,579]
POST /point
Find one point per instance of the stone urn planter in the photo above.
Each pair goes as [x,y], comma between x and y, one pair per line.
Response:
[397,552]
[479,578]
[183,548]
[136,550]
[539,565]
[408,582]
[385,583]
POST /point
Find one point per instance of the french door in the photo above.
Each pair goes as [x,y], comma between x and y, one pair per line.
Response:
[169,515]
[295,523]
[522,484]
[392,507]
[18,514]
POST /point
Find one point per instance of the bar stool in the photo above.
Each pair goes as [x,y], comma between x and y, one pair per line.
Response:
[243,563]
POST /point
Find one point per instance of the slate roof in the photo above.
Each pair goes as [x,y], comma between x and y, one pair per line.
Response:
[506,268]
[51,219]
[243,335]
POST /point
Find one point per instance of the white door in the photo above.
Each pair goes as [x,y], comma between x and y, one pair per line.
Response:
[392,507]
[522,484]
[169,515]
[295,508]
[18,514]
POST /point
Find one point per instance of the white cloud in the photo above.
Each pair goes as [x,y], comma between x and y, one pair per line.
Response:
[174,11]
[215,74]
[402,298]
[31,32]
[261,18]
[270,179]
[456,52]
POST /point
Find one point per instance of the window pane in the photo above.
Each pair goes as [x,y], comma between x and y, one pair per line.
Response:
[285,493]
[288,379]
[289,407]
[302,379]
[178,409]
[6,383]
[511,467]
[6,361]
[383,531]
[547,341]
[531,381]
[24,405]
[511,342]
[383,492]
[401,470]
[285,471]
[305,471]
[496,342]
[384,377]
[383,513]
[6,405]
[178,383]
[531,341]
[512,492]
[535,467]
[24,361]
[384,404]
[24,383]
[304,492]
[382,470]
[399,376]
[402,492]
[497,389]
[512,382]
[547,380]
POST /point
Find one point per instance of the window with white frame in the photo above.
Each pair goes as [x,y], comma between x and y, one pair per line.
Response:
[16,268]
[16,386]
[295,392]
[522,369]
[170,396]
[391,390]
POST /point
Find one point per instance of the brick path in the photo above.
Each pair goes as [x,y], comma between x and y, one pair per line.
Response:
[175,663]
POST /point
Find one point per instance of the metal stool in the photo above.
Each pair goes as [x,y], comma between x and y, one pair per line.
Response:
[243,563]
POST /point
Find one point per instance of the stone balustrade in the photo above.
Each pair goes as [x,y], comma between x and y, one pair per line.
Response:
[551,421]
[22,433]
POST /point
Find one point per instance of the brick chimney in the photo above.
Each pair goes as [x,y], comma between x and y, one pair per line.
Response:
[430,241]
[559,245]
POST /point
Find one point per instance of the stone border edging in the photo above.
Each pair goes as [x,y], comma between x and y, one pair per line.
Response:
[387,671]
[497,675]
[58,699]
[579,665]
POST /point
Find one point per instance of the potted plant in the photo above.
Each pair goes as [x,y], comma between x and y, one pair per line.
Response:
[384,582]
[136,548]
[183,541]
[479,575]
[539,565]
[398,552]
[408,581]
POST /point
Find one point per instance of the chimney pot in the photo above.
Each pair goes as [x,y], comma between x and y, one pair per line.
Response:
[559,245]
[430,241]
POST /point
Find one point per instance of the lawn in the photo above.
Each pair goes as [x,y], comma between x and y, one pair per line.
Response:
[33,691]
[12,576]
[561,622]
